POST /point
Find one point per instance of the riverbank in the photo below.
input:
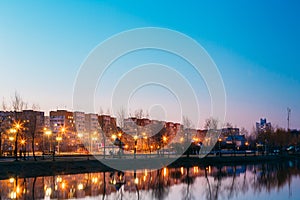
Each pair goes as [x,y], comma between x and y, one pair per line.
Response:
[73,165]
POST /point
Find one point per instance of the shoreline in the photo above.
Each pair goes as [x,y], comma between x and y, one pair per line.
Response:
[27,169]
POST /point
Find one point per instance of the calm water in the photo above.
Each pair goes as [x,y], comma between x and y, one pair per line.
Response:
[279,180]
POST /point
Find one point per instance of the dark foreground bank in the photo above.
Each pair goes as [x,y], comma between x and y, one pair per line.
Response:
[84,165]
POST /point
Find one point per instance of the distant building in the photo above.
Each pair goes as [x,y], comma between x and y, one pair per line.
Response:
[225,132]
[63,127]
[91,123]
[107,123]
[79,121]
[263,126]
[236,140]
[47,122]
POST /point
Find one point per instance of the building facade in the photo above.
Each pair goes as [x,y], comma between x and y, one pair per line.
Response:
[263,126]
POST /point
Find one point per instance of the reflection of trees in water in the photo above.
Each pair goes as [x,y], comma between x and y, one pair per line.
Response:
[208,194]
[220,182]
[160,186]
[274,176]
[189,181]
[266,177]
[217,187]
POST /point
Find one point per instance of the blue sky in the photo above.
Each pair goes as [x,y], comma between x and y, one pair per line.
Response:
[255,45]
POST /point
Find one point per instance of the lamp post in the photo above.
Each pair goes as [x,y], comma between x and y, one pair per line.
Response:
[93,138]
[23,141]
[135,145]
[120,143]
[58,139]
[48,133]
[163,146]
[15,130]
[147,143]
[246,144]
[220,140]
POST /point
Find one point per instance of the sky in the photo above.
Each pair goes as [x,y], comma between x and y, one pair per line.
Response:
[255,45]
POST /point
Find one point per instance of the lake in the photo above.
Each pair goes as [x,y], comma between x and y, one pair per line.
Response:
[269,180]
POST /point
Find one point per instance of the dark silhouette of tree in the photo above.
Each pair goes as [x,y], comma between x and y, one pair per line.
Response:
[121,115]
[160,191]
[209,194]
[188,180]
[211,123]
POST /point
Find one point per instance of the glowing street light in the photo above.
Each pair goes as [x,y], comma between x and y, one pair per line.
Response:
[114,137]
[58,139]
[163,145]
[17,126]
[220,140]
[48,133]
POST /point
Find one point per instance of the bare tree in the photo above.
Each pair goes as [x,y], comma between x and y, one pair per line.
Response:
[139,113]
[101,111]
[228,125]
[5,107]
[17,102]
[31,128]
[211,123]
[187,123]
[121,116]
[35,106]
[244,131]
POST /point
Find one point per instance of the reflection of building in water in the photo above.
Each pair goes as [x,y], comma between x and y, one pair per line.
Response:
[108,183]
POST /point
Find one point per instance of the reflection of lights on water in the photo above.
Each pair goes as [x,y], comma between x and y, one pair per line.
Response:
[181,170]
[145,178]
[136,181]
[94,180]
[196,169]
[55,187]
[18,189]
[80,186]
[208,169]
[48,192]
[59,179]
[13,195]
[11,180]
[146,172]
[165,171]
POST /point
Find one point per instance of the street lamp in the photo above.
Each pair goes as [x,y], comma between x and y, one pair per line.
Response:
[220,140]
[48,133]
[135,145]
[15,130]
[163,146]
[246,144]
[93,138]
[58,139]
[120,143]
[147,143]
[23,141]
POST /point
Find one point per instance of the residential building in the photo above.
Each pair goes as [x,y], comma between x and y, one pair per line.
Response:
[91,123]
[79,121]
[263,126]
[64,130]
